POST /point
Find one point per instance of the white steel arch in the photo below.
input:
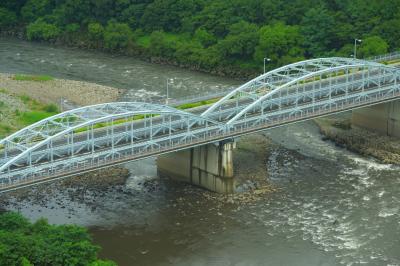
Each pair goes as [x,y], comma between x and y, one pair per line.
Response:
[364,70]
[99,135]
[264,84]
[19,147]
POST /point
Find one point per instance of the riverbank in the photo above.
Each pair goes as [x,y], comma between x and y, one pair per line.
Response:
[139,52]
[26,99]
[366,143]
[51,91]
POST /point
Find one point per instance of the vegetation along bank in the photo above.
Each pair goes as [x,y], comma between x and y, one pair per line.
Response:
[223,37]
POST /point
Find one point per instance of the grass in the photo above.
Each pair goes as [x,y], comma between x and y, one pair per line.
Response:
[391,62]
[40,78]
[144,41]
[37,111]
[28,118]
[196,104]
[5,130]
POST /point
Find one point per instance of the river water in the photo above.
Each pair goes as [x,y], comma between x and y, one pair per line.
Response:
[331,207]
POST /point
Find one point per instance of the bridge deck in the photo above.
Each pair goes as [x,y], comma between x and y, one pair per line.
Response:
[89,138]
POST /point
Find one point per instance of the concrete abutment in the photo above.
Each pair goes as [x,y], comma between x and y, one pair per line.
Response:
[383,118]
[209,166]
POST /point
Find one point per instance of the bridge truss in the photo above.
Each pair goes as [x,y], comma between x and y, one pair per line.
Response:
[97,136]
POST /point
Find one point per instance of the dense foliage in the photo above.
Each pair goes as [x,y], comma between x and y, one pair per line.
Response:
[24,243]
[210,34]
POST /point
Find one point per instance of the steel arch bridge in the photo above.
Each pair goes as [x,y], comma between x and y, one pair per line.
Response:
[93,137]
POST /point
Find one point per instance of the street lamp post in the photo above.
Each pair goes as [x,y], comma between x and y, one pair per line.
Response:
[168,82]
[355,47]
[266,59]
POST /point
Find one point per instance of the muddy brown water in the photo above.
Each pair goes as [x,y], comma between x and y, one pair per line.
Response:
[331,207]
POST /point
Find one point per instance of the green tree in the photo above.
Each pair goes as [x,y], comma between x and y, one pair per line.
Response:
[72,28]
[317,28]
[161,45]
[40,30]
[35,9]
[23,243]
[371,46]
[204,37]
[216,17]
[95,31]
[13,5]
[7,18]
[389,31]
[117,35]
[346,51]
[281,43]
[241,41]
[167,15]
[189,52]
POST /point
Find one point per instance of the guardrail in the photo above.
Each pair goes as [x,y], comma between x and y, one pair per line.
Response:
[385,57]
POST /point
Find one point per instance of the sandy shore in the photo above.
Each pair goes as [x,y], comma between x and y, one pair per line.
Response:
[79,92]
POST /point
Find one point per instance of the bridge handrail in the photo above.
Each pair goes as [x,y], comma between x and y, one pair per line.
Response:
[310,68]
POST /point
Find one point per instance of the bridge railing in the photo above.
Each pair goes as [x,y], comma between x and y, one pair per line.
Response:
[126,153]
[385,57]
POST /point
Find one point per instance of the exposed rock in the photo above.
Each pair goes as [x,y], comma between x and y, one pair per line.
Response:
[385,149]
[79,92]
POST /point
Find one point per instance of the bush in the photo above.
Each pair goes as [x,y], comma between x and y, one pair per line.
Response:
[161,45]
[204,37]
[24,243]
[72,28]
[34,9]
[51,108]
[95,31]
[117,35]
[372,46]
[40,30]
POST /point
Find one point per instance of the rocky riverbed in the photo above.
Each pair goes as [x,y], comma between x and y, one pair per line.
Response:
[370,144]
[250,157]
[51,91]
[95,183]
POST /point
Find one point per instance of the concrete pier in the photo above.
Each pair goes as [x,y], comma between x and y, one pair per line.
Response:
[209,166]
[382,118]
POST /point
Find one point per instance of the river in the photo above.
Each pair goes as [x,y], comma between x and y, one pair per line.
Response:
[330,207]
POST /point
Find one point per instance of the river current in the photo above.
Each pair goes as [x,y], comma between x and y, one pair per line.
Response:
[330,207]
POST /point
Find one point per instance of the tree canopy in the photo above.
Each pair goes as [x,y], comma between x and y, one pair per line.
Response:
[24,243]
[213,33]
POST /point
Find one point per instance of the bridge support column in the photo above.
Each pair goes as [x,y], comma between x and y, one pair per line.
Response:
[209,166]
[383,118]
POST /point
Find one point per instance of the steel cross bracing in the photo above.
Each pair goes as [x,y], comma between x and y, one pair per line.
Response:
[96,136]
